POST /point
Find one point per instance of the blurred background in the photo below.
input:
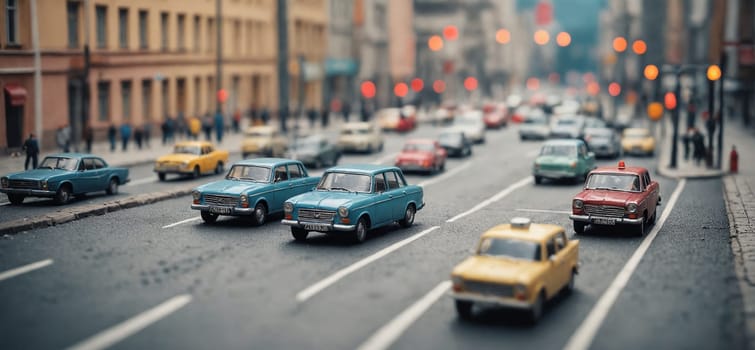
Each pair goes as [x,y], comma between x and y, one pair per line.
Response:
[90,64]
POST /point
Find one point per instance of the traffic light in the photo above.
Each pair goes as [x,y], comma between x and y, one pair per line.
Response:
[651,72]
[669,100]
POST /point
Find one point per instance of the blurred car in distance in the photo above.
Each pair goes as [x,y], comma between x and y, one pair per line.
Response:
[534,126]
[263,140]
[472,125]
[360,137]
[495,116]
[604,142]
[567,127]
[315,151]
[455,143]
[192,158]
[423,155]
[563,159]
[638,141]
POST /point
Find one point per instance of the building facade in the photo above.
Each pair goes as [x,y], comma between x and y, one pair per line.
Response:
[307,33]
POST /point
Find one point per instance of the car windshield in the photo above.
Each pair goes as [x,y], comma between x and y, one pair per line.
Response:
[249,173]
[349,182]
[510,248]
[59,163]
[184,149]
[426,147]
[616,182]
[306,144]
[450,137]
[559,150]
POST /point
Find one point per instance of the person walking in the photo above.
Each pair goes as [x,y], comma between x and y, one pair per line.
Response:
[195,126]
[88,137]
[236,121]
[111,133]
[219,127]
[207,127]
[346,111]
[147,129]
[138,136]
[698,145]
[63,138]
[312,116]
[31,146]
[687,141]
[125,135]
[265,115]
[164,130]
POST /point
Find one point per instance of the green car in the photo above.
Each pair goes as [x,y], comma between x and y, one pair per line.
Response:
[563,159]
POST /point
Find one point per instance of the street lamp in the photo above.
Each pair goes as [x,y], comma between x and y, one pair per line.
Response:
[713,73]
[620,44]
[639,47]
[563,39]
[651,72]
[502,36]
[541,37]
[435,43]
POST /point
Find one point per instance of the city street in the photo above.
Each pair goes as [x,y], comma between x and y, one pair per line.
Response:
[155,276]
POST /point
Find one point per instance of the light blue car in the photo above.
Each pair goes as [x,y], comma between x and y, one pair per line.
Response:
[62,176]
[354,199]
[253,187]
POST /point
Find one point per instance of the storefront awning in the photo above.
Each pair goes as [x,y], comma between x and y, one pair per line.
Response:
[17,94]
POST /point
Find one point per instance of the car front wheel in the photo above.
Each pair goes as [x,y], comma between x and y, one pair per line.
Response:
[537,308]
[360,233]
[209,217]
[299,233]
[579,227]
[63,195]
[260,214]
[112,187]
[16,198]
[464,309]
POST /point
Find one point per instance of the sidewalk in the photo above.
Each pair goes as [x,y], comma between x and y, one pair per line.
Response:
[739,197]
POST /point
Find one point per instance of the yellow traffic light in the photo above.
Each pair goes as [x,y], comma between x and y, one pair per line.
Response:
[620,44]
[541,37]
[651,72]
[655,111]
[714,72]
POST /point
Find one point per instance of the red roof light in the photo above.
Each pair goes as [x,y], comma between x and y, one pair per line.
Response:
[622,166]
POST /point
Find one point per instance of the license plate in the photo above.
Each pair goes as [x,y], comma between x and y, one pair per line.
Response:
[316,227]
[220,210]
[604,221]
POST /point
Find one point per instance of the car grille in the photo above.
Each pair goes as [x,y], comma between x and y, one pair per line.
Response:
[30,184]
[501,290]
[317,215]
[551,167]
[224,201]
[604,210]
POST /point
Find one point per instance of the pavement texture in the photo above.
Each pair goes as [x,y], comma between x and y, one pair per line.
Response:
[739,198]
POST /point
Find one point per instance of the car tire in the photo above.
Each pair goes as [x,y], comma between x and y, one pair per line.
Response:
[219,168]
[651,221]
[259,215]
[112,187]
[639,230]
[579,227]
[16,199]
[569,287]
[370,150]
[360,233]
[195,174]
[537,308]
[538,180]
[63,195]
[299,234]
[161,176]
[209,217]
[409,215]
[464,309]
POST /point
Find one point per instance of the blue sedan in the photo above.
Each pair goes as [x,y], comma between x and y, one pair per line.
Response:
[253,187]
[61,176]
[354,199]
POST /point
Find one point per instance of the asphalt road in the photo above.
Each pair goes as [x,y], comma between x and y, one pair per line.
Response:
[231,285]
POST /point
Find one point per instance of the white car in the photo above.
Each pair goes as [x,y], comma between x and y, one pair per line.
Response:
[472,125]
[360,137]
[534,126]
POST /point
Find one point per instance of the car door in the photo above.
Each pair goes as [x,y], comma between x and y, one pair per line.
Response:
[298,181]
[397,194]
[382,207]
[86,178]
[281,187]
[653,192]
[553,279]
[101,173]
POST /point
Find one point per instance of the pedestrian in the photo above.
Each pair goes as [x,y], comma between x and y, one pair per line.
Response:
[346,111]
[195,127]
[236,121]
[88,136]
[253,114]
[181,125]
[312,116]
[365,111]
[164,129]
[265,115]
[219,127]
[31,146]
[207,127]
[138,135]
[62,138]
[325,116]
[686,141]
[698,145]
[147,131]
[111,136]
[125,135]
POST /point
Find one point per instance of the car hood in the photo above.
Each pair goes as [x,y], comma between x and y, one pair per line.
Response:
[451,144]
[234,187]
[609,197]
[327,199]
[38,174]
[499,270]
[177,158]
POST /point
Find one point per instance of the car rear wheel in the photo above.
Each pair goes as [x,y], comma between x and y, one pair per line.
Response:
[161,176]
[538,180]
[464,309]
[63,195]
[209,217]
[409,214]
[299,233]
[360,233]
[16,198]
[569,287]
[219,168]
[579,227]
[112,187]
[260,214]
[195,173]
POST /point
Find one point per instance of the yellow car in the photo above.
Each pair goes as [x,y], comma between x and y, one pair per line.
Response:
[360,137]
[518,265]
[263,140]
[191,158]
[638,141]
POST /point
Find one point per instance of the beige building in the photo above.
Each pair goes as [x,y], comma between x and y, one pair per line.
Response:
[307,32]
[149,59]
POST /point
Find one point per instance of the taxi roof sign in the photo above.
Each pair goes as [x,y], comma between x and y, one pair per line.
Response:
[622,165]
[523,223]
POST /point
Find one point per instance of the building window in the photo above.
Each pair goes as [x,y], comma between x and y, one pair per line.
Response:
[73,24]
[101,18]
[11,18]
[197,32]
[165,97]
[126,99]
[237,37]
[123,28]
[210,36]
[143,27]
[103,101]
[181,30]
[147,100]
[164,31]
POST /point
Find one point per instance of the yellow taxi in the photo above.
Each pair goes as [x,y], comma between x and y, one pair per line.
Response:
[263,140]
[191,158]
[520,265]
[638,141]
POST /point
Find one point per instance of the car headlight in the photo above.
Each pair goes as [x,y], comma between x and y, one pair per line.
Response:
[573,164]
[520,291]
[632,207]
[185,163]
[244,198]
[195,194]
[288,208]
[343,212]
[4,182]
[457,282]
[43,183]
[578,204]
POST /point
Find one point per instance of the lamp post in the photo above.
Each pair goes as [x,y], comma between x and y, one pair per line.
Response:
[719,163]
[713,73]
[282,63]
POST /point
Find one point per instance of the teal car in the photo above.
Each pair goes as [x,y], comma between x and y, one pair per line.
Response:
[62,176]
[563,159]
[353,199]
[253,187]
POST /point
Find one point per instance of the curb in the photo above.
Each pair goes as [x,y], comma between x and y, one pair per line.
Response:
[68,215]
[663,171]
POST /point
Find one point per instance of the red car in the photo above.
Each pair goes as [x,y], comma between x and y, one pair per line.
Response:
[617,196]
[494,116]
[423,155]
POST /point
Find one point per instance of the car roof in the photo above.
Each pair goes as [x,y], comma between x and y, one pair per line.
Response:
[603,131]
[361,168]
[265,161]
[535,232]
[193,143]
[633,170]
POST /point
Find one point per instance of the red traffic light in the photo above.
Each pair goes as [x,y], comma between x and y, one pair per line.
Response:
[669,100]
[417,84]
[450,32]
[439,86]
[614,89]
[470,83]
[401,89]
[222,95]
[368,89]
